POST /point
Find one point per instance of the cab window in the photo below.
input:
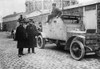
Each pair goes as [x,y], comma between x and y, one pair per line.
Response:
[69,19]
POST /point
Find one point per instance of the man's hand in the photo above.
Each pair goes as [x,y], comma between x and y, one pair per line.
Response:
[57,16]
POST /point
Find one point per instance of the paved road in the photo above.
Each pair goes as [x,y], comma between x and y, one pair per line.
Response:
[49,58]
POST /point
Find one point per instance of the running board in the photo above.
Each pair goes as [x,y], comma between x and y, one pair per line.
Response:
[92,53]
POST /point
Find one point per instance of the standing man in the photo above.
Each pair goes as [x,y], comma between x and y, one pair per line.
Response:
[31,32]
[21,38]
[21,19]
[55,12]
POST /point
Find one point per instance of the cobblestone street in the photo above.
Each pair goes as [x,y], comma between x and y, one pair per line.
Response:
[49,58]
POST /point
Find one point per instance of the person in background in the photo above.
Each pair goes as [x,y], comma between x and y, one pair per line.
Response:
[39,27]
[31,32]
[21,19]
[21,37]
[55,12]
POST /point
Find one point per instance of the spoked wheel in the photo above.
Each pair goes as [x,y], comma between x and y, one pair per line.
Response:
[40,42]
[77,50]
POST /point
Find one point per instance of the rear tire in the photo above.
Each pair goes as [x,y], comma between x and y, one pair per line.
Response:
[40,42]
[77,50]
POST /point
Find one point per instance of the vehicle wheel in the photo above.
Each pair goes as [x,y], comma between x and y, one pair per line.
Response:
[98,53]
[40,42]
[77,50]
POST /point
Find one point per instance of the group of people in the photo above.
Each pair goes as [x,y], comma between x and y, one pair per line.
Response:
[26,31]
[25,35]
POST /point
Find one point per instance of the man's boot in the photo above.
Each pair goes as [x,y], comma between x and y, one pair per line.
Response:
[33,51]
[28,50]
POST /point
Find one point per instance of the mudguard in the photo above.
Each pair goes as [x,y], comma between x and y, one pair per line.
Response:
[43,35]
[77,37]
[80,38]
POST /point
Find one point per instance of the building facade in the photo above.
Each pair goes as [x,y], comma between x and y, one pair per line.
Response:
[10,22]
[38,5]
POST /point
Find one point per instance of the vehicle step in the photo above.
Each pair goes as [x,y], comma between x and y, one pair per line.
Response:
[90,53]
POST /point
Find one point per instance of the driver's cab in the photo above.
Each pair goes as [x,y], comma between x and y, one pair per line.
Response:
[72,22]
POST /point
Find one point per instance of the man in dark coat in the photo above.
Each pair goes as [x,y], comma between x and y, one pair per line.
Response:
[21,38]
[31,32]
[55,12]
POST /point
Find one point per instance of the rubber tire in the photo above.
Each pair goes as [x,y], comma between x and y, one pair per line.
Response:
[42,42]
[82,50]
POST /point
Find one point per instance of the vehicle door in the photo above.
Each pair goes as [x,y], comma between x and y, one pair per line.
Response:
[90,18]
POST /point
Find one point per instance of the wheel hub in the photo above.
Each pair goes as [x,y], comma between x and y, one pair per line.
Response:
[76,50]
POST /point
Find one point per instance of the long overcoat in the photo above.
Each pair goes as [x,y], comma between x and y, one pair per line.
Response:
[31,33]
[21,37]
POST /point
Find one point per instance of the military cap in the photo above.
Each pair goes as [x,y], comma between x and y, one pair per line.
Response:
[26,20]
[31,20]
[53,4]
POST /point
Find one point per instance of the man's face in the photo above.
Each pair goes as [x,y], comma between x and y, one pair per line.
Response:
[24,25]
[31,22]
[20,23]
[53,6]
[21,16]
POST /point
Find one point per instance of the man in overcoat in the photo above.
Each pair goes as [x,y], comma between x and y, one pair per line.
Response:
[31,32]
[21,38]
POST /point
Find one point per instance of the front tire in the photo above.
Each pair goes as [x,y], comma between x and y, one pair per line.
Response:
[40,42]
[77,50]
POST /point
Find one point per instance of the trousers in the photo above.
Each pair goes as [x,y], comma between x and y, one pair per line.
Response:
[50,17]
[20,51]
[32,50]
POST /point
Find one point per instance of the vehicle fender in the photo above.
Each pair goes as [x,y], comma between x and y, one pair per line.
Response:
[78,37]
[43,35]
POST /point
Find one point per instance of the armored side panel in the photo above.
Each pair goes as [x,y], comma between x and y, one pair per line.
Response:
[55,29]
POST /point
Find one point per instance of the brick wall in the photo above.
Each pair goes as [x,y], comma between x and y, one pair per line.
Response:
[9,26]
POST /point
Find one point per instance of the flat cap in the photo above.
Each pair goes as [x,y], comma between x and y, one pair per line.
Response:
[31,20]
[53,4]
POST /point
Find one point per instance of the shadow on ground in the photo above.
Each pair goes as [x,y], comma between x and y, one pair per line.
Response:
[61,49]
